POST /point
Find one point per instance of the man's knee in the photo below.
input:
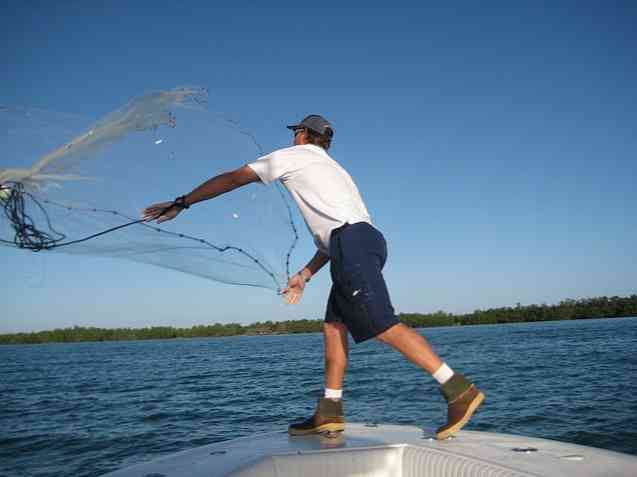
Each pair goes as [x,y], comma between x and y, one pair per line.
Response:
[335,334]
[394,333]
[334,328]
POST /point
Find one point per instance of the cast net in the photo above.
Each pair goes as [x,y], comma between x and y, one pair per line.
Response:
[74,189]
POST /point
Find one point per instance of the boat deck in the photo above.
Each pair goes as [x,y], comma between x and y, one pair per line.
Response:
[365,450]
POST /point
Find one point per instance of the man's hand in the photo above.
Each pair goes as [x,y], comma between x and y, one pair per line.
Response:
[162,211]
[296,285]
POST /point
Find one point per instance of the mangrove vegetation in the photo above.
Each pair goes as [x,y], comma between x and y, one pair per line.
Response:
[600,307]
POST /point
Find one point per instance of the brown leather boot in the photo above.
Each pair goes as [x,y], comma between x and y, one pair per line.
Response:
[463,399]
[328,417]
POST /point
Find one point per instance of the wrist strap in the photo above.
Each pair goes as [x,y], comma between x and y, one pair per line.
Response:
[307,279]
[180,202]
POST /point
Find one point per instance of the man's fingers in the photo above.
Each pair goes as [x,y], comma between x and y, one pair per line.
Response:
[156,209]
[289,296]
[164,218]
[149,217]
[292,297]
[150,214]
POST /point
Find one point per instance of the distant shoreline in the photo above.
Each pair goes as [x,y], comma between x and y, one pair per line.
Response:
[587,308]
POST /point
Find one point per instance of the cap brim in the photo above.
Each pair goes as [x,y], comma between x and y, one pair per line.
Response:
[295,126]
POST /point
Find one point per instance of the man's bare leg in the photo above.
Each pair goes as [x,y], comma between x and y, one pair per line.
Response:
[411,344]
[462,396]
[328,416]
[336,351]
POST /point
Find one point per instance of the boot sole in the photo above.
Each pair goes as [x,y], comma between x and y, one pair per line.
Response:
[322,429]
[461,423]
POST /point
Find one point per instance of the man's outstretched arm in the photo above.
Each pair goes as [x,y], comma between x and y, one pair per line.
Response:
[210,189]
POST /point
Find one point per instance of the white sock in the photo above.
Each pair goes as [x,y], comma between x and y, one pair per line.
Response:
[333,393]
[443,374]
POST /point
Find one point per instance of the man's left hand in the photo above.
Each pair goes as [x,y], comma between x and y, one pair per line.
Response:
[292,294]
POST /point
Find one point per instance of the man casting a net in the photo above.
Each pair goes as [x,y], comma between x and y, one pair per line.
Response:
[343,232]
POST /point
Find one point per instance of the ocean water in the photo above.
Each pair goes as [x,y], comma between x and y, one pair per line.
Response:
[89,408]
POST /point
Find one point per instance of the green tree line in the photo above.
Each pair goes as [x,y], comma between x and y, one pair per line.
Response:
[600,307]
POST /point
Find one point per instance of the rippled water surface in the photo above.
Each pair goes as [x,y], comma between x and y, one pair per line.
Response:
[86,409]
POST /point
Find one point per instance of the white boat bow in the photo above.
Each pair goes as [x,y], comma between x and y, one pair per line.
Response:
[365,450]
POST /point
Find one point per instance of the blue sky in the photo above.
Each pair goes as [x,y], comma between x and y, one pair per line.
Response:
[495,147]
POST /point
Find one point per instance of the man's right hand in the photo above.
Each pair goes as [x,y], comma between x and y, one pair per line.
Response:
[161,212]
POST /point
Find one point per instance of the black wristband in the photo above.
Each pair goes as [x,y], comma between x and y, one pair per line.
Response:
[181,202]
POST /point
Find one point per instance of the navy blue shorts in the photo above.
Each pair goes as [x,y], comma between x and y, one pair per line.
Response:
[359,296]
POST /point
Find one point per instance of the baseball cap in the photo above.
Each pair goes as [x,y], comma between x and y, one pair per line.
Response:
[314,122]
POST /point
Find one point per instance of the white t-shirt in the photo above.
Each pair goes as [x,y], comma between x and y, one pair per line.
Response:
[323,190]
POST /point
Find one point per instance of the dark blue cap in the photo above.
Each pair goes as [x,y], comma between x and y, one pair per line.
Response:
[316,123]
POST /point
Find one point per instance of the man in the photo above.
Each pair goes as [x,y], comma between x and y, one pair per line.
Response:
[344,235]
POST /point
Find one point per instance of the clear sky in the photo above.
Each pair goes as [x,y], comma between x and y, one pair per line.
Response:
[494,146]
